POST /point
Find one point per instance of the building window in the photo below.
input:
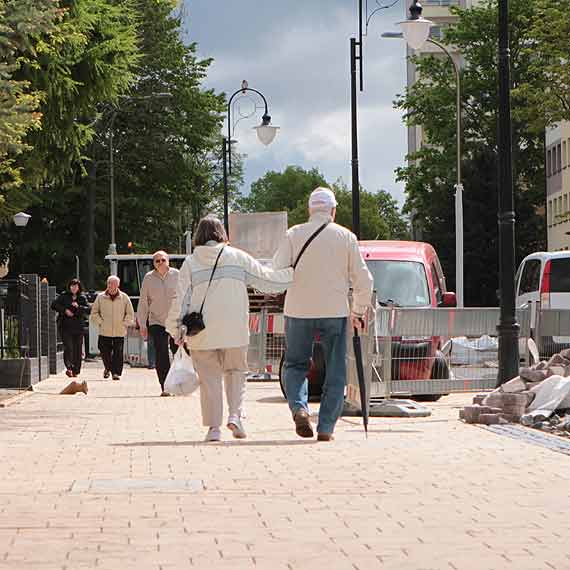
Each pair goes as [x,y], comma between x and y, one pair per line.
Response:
[564,159]
[549,215]
[565,209]
[559,156]
[548,165]
[436,32]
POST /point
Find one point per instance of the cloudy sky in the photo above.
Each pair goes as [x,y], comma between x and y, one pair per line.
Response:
[297,53]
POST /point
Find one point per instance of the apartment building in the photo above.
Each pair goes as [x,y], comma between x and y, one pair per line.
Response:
[558,186]
[438,11]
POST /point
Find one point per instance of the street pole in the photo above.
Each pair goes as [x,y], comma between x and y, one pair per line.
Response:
[113,245]
[354,133]
[459,185]
[225,161]
[508,328]
[265,133]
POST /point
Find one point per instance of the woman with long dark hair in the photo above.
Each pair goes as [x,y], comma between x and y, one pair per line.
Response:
[213,281]
[72,308]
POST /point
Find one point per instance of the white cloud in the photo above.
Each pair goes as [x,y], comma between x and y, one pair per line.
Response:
[297,54]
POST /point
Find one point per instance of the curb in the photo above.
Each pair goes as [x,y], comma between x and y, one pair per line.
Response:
[15,398]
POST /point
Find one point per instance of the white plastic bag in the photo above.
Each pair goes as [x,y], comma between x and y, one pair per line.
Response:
[182,378]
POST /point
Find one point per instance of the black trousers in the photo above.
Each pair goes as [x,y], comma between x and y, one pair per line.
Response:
[111,348]
[161,341]
[72,351]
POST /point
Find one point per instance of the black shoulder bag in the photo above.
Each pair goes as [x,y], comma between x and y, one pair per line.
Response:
[194,322]
[281,296]
[308,242]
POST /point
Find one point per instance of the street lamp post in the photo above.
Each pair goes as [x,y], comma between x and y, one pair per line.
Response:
[21,220]
[112,250]
[421,28]
[357,74]
[508,328]
[265,133]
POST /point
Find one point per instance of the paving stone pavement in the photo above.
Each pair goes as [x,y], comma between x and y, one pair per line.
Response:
[120,479]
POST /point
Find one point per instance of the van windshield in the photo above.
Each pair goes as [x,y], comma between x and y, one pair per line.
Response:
[402,283]
[560,276]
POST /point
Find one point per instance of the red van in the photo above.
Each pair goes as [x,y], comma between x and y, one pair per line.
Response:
[409,274]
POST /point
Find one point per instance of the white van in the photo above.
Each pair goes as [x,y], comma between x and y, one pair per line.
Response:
[543,280]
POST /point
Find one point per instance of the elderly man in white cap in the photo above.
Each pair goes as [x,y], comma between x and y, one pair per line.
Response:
[327,264]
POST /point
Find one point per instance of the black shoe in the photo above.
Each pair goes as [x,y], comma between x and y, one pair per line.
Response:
[106,374]
[116,377]
[325,437]
[69,373]
[303,424]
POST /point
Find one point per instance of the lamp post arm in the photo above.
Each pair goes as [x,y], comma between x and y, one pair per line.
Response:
[458,102]
[242,90]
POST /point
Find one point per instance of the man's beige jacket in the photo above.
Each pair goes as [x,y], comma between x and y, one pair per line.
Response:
[330,266]
[112,317]
[157,294]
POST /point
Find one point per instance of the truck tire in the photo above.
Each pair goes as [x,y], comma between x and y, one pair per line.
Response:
[315,374]
[439,371]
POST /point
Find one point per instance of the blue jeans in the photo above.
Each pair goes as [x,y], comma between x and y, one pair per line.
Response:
[299,335]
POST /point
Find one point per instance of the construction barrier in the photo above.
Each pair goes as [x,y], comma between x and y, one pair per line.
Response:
[432,352]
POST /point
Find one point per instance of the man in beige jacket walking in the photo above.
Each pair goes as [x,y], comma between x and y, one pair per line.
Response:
[158,291]
[317,304]
[112,312]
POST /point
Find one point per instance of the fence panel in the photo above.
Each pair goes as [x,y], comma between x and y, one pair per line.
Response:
[437,351]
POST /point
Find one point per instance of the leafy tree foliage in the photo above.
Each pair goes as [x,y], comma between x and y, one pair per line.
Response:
[430,173]
[120,67]
[23,24]
[289,190]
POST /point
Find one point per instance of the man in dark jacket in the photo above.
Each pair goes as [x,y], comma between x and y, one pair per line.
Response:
[72,308]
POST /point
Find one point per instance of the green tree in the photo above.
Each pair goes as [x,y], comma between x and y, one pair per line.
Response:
[282,190]
[23,26]
[430,173]
[289,190]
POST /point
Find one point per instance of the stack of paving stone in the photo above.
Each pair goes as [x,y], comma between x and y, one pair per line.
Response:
[508,403]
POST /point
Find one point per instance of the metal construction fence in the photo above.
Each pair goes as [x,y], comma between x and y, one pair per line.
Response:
[15,318]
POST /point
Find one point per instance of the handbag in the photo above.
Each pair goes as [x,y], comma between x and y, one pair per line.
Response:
[182,378]
[194,321]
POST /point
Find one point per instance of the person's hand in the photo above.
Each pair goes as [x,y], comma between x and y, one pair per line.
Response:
[68,313]
[144,333]
[179,341]
[74,304]
[357,321]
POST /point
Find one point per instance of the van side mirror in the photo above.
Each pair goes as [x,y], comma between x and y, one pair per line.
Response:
[448,300]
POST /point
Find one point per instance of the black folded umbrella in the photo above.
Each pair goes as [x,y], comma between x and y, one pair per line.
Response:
[361,382]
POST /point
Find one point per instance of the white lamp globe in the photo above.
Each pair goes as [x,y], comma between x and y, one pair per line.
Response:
[416,32]
[21,219]
[266,133]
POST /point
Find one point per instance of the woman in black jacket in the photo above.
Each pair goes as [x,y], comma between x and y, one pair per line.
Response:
[72,309]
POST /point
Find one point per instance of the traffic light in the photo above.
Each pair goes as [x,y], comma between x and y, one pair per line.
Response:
[131,247]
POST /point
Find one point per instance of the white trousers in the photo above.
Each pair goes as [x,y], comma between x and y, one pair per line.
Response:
[229,364]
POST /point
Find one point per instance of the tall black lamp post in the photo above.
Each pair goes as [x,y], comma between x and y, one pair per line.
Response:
[21,220]
[508,328]
[265,133]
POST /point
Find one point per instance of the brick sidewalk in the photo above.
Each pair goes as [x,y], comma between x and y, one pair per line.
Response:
[113,481]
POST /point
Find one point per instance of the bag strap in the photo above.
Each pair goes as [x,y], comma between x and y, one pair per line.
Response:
[308,242]
[211,277]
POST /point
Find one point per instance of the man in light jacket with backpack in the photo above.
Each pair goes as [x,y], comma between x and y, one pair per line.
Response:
[327,264]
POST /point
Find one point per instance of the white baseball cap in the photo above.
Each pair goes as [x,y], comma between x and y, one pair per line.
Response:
[322,198]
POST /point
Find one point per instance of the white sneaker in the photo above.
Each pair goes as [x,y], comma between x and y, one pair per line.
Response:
[236,427]
[214,434]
